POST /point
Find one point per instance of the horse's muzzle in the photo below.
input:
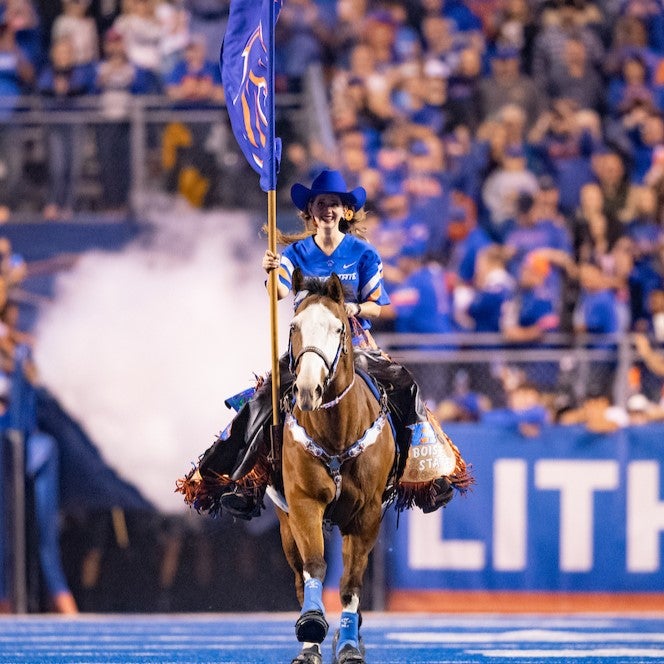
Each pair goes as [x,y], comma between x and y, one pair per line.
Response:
[308,398]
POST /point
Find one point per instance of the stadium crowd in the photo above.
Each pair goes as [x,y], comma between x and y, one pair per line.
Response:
[512,150]
[513,153]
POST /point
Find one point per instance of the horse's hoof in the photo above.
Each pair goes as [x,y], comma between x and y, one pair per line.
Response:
[309,656]
[311,627]
[348,655]
[335,640]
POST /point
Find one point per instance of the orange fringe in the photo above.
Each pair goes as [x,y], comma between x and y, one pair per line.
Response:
[204,493]
[424,494]
[461,479]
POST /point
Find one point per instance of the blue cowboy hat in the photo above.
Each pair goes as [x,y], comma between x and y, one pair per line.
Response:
[328,182]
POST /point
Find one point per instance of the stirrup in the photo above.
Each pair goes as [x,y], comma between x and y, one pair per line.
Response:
[240,505]
[441,493]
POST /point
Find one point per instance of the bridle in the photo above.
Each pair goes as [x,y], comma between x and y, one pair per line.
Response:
[331,367]
[332,462]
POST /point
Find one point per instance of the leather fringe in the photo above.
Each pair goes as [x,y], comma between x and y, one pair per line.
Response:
[461,479]
[204,493]
[428,495]
[413,494]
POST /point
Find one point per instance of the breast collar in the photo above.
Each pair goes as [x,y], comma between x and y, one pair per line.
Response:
[333,462]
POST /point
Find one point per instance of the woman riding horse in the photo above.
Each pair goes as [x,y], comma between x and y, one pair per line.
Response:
[234,472]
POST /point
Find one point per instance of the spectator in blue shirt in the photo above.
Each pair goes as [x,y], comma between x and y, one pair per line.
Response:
[651,13]
[116,80]
[302,34]
[533,310]
[493,286]
[457,11]
[533,232]
[563,146]
[645,131]
[597,308]
[422,302]
[536,307]
[631,82]
[16,75]
[525,411]
[194,82]
[26,23]
[398,227]
[60,83]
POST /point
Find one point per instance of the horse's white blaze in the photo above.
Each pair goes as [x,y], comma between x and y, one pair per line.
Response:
[318,329]
[353,605]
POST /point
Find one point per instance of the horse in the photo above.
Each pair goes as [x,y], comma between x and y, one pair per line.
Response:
[338,452]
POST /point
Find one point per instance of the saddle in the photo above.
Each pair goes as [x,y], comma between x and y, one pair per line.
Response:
[235,471]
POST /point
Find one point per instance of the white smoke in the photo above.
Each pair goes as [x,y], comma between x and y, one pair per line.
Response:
[143,346]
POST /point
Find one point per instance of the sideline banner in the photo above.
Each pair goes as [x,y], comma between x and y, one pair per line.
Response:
[568,511]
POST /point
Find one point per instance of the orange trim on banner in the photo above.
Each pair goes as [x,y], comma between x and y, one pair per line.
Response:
[447,601]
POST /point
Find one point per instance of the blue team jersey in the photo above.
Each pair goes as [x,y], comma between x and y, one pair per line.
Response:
[599,311]
[356,263]
[424,302]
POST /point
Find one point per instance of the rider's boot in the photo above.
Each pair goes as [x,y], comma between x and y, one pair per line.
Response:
[235,452]
[427,455]
[232,458]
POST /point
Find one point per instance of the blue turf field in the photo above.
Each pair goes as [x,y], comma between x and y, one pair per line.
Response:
[390,639]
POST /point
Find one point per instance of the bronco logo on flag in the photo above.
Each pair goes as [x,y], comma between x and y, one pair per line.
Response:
[245,73]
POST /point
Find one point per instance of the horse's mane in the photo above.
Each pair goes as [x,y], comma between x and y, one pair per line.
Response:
[317,286]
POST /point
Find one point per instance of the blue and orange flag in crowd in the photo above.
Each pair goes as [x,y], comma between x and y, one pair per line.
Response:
[247,76]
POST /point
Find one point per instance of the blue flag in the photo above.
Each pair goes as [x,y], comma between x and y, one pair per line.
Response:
[246,73]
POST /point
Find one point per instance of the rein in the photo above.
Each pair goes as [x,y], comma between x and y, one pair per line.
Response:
[336,400]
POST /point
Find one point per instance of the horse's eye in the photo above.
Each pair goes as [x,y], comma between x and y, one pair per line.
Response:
[339,330]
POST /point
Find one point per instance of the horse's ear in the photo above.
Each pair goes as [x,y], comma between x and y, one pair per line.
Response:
[335,291]
[297,280]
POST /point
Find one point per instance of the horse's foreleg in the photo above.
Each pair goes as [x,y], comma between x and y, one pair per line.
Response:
[355,552]
[306,524]
[292,554]
[311,651]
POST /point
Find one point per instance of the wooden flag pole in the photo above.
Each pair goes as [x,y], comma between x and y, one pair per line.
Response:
[272,290]
[275,430]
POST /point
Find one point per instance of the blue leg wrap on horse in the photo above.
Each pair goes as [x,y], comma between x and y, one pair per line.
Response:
[313,596]
[348,630]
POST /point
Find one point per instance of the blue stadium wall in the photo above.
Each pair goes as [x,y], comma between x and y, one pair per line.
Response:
[567,520]
[567,512]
